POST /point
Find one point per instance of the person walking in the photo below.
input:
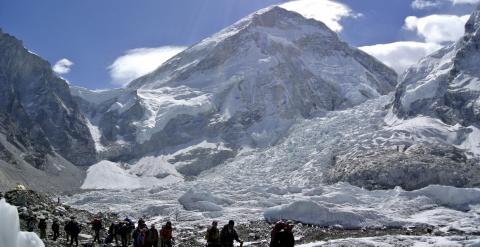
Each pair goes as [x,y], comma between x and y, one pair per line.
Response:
[151,237]
[166,237]
[123,231]
[56,229]
[96,227]
[73,230]
[42,226]
[289,238]
[130,228]
[229,234]
[213,235]
[31,223]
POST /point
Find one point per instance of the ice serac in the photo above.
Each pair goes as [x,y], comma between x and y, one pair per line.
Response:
[10,234]
[245,85]
[39,121]
[446,84]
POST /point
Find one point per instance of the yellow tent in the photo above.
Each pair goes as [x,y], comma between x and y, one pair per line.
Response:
[20,187]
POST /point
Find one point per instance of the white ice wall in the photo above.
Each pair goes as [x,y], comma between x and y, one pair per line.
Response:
[10,234]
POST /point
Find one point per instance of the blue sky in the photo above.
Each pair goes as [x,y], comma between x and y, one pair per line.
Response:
[99,39]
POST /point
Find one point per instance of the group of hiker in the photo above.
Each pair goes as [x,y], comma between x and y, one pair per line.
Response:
[124,233]
[223,238]
[72,228]
[140,236]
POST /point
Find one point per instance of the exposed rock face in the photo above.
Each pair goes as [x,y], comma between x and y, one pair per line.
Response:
[415,167]
[445,84]
[37,108]
[39,123]
[244,86]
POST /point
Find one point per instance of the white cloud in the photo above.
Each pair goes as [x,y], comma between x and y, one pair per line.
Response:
[437,28]
[401,55]
[455,2]
[62,66]
[141,61]
[326,11]
[427,4]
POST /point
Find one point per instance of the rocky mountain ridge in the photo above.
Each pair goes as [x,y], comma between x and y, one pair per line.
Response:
[42,131]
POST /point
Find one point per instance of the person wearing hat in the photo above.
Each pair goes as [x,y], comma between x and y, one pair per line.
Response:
[228,235]
[213,235]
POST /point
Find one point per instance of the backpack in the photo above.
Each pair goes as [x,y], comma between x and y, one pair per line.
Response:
[140,238]
[213,235]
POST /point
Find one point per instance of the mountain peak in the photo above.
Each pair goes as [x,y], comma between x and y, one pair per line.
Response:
[473,23]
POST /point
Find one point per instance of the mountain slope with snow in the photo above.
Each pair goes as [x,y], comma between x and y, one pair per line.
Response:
[446,84]
[244,86]
[436,115]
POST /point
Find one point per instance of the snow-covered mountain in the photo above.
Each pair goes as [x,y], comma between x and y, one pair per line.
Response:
[42,131]
[432,126]
[244,86]
[446,84]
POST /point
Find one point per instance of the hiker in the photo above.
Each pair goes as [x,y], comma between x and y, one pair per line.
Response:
[141,223]
[55,229]
[42,226]
[96,227]
[118,230]
[166,238]
[112,233]
[73,229]
[130,228]
[213,235]
[66,228]
[31,223]
[151,237]
[282,235]
[274,234]
[122,231]
[139,237]
[228,235]
[289,238]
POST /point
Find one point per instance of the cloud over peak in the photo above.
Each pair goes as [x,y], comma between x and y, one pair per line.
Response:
[400,55]
[62,66]
[327,11]
[437,28]
[141,61]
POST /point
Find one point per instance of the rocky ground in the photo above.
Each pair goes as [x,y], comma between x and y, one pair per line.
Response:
[255,233]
